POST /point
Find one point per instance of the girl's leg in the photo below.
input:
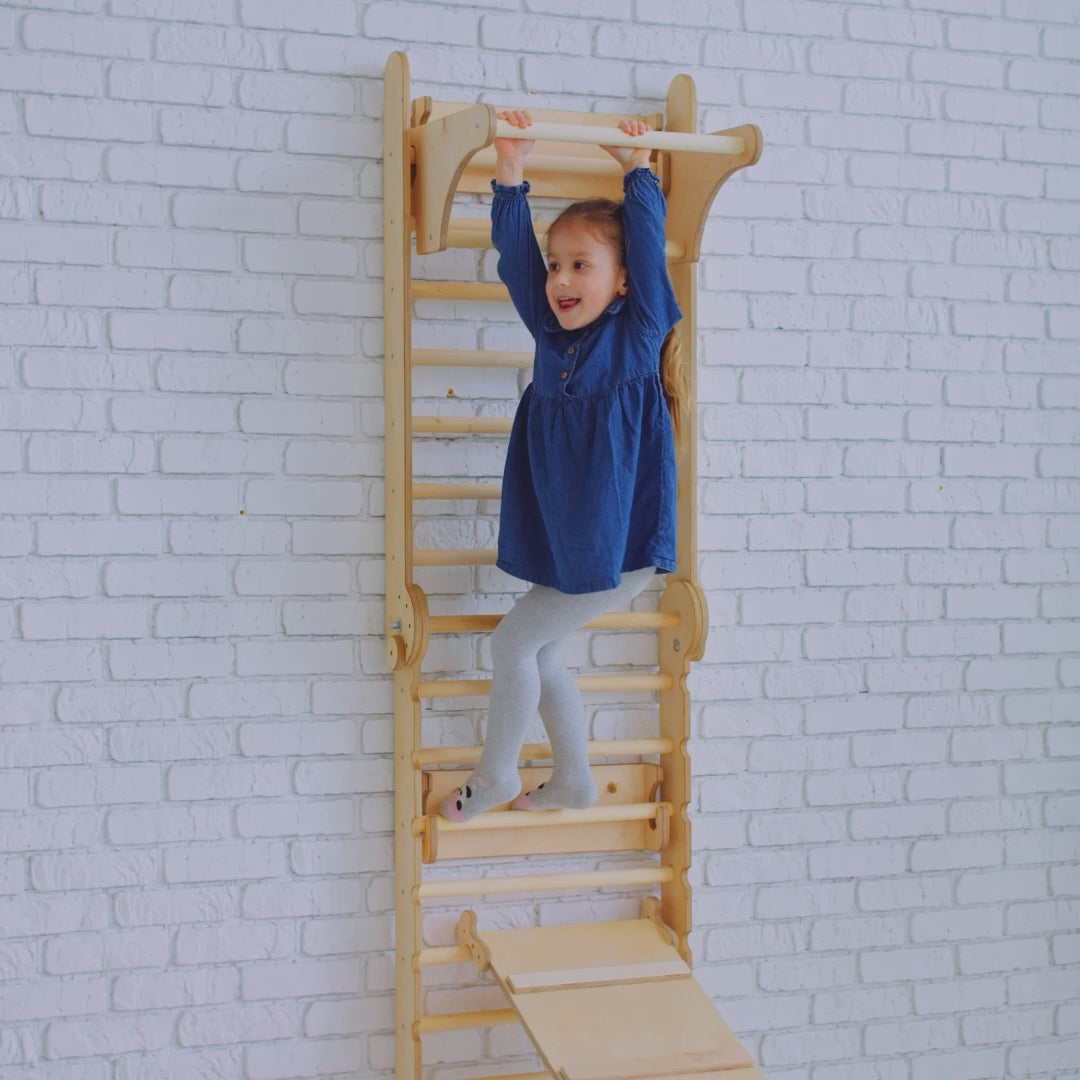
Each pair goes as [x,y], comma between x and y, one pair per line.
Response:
[563,712]
[561,708]
[540,617]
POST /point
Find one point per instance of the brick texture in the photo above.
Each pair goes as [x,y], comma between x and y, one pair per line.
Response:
[195,728]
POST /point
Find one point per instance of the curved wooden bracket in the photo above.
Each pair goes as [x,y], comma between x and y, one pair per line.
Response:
[442,148]
[692,180]
[407,626]
[687,599]
[469,937]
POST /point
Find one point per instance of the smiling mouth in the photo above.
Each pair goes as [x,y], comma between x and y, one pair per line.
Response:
[566,303]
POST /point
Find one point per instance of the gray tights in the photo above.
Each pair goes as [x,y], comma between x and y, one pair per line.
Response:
[529,673]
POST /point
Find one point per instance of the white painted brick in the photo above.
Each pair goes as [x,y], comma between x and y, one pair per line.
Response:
[101,784]
[85,34]
[282,1060]
[176,496]
[107,1035]
[224,862]
[72,953]
[225,130]
[164,991]
[93,871]
[240,780]
[154,907]
[150,824]
[237,1025]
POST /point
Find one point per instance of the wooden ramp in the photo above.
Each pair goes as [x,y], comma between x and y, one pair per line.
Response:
[609,1001]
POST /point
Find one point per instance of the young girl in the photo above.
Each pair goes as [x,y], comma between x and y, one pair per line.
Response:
[589,486]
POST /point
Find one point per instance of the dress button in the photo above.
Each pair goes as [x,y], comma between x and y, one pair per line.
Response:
[564,375]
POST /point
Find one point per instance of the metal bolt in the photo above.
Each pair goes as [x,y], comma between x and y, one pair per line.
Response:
[676,644]
[396,624]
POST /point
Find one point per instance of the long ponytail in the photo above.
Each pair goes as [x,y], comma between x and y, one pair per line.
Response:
[675,380]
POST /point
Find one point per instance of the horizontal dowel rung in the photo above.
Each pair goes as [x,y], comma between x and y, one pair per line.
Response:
[603,136]
[443,954]
[476,232]
[527,883]
[454,556]
[440,688]
[521,819]
[615,620]
[468,755]
[459,290]
[471,358]
[459,1021]
[462,425]
[457,491]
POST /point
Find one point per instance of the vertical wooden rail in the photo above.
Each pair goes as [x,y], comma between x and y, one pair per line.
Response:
[692,181]
[402,634]
[683,594]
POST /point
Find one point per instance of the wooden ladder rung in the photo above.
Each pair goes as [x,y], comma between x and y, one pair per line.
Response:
[440,688]
[615,620]
[459,1021]
[454,556]
[470,358]
[526,883]
[459,290]
[468,755]
[476,232]
[491,490]
[462,425]
[442,954]
[520,819]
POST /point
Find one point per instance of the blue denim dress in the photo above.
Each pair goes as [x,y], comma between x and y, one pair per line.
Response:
[589,485]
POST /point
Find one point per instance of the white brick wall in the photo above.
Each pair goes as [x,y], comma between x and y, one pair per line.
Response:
[195,860]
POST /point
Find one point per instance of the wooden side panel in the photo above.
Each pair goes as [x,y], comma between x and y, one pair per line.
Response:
[633,783]
[557,170]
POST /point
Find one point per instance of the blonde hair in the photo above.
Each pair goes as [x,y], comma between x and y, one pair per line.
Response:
[605,217]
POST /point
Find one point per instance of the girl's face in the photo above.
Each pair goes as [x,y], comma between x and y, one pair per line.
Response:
[584,274]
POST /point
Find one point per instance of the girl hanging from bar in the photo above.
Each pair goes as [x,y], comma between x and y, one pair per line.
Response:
[589,487]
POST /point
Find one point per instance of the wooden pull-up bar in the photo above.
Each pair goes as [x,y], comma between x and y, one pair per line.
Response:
[603,136]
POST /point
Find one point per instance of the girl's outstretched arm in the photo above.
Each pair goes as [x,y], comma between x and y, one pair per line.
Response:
[650,296]
[521,264]
[510,154]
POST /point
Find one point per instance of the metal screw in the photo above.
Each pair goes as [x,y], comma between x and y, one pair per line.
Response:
[676,644]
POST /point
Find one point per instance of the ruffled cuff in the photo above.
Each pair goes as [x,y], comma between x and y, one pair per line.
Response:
[510,189]
[642,174]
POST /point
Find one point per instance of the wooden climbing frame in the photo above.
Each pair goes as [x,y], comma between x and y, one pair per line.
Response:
[433,151]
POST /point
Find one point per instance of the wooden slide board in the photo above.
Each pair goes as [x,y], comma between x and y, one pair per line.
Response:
[602,1001]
